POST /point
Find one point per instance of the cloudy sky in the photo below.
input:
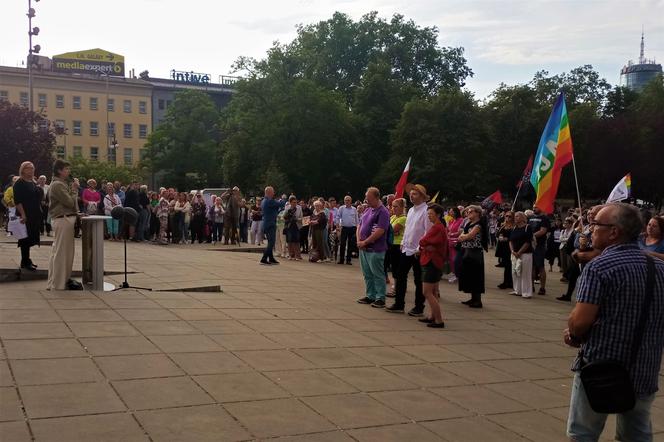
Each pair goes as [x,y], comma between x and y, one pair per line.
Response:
[505,41]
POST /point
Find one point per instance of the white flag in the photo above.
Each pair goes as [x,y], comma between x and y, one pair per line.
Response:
[621,191]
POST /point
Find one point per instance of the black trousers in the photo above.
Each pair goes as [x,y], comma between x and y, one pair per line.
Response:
[572,275]
[304,239]
[507,272]
[346,243]
[405,264]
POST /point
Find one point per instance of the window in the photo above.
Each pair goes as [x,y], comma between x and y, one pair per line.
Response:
[127,130]
[127,106]
[43,125]
[94,153]
[77,128]
[161,104]
[59,127]
[94,128]
[24,99]
[110,105]
[76,102]
[143,154]
[142,107]
[4,96]
[111,129]
[128,155]
[142,131]
[59,101]
[61,152]
[93,103]
[78,151]
[42,100]
[110,155]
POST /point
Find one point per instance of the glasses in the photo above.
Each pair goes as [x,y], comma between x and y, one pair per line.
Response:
[593,225]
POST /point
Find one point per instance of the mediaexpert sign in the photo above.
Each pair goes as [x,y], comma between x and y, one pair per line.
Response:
[91,60]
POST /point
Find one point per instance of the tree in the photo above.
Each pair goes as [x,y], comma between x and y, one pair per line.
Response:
[24,136]
[104,172]
[185,146]
[581,85]
[446,138]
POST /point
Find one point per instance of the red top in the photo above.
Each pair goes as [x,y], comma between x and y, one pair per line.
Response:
[436,241]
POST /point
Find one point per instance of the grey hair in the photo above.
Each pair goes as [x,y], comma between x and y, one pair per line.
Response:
[628,219]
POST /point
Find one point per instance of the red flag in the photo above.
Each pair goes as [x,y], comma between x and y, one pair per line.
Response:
[401,184]
[525,177]
[491,200]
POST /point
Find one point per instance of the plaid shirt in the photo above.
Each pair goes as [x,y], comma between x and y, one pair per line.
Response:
[616,281]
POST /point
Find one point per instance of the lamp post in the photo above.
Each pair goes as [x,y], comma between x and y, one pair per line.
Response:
[31,50]
[114,148]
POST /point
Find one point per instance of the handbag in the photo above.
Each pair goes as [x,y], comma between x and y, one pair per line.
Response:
[607,383]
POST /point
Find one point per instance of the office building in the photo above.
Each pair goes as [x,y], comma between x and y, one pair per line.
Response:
[636,76]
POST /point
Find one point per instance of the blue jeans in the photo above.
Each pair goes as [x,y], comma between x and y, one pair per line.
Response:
[585,425]
[372,264]
[271,234]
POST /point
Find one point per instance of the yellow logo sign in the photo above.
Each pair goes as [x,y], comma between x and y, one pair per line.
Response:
[91,60]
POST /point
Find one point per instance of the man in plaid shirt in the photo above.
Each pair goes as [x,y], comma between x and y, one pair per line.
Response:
[610,295]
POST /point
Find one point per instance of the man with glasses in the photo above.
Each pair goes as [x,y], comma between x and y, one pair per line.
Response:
[610,299]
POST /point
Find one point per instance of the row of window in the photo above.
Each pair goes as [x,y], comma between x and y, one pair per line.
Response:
[77,129]
[93,102]
[77,152]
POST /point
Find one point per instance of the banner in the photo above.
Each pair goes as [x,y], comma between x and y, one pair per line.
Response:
[90,61]
[622,190]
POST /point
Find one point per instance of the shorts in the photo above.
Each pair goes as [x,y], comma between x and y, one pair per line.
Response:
[431,274]
[538,257]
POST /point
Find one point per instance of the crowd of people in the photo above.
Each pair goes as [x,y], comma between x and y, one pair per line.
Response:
[615,259]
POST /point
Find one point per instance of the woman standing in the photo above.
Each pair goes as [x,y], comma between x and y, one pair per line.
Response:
[453,231]
[182,210]
[111,200]
[218,212]
[553,244]
[471,275]
[63,208]
[565,258]
[433,253]
[398,222]
[317,225]
[91,198]
[27,198]
[198,219]
[653,240]
[521,248]
[293,224]
[503,249]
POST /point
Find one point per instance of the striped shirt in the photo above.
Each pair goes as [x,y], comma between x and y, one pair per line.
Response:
[616,281]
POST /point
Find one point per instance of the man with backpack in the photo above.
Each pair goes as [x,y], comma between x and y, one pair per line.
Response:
[417,224]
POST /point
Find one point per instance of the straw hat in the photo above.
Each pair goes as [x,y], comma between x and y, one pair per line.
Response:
[418,188]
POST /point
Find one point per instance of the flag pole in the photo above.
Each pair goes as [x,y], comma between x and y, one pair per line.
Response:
[578,194]
[517,195]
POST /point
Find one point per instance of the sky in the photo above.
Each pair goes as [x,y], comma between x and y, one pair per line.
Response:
[505,41]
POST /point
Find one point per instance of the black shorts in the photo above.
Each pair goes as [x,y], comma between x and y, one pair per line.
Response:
[431,274]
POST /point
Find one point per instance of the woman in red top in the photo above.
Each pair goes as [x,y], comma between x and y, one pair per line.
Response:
[433,254]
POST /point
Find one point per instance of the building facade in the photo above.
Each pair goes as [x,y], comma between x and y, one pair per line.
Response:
[98,117]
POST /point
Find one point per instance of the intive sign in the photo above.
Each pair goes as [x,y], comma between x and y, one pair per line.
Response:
[190,77]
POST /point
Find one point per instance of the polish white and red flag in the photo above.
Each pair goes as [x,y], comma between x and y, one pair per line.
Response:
[401,184]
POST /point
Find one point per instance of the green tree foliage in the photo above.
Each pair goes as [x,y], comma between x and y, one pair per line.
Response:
[24,136]
[185,146]
[104,172]
[446,138]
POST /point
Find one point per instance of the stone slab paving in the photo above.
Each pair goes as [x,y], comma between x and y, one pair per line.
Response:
[284,353]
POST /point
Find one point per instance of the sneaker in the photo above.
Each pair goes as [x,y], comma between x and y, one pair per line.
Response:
[365,300]
[536,281]
[265,263]
[415,312]
[378,303]
[274,261]
[564,298]
[436,325]
[391,295]
[477,304]
[394,309]
[452,279]
[541,291]
[515,294]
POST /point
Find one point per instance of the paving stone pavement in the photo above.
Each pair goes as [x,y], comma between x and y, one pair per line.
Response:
[284,352]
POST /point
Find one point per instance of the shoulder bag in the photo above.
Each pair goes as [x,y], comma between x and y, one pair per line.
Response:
[607,383]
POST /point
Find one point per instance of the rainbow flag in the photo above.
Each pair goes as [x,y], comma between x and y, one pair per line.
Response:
[554,153]
[622,190]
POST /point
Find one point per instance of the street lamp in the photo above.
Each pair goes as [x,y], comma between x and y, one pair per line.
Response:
[31,50]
